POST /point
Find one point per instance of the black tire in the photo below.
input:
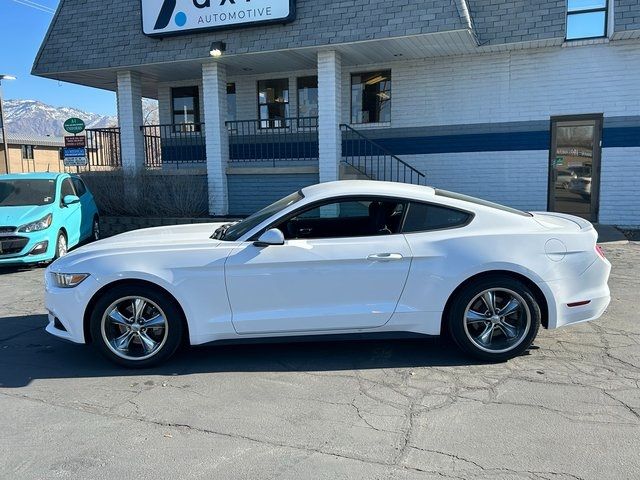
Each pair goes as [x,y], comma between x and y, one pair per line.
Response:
[468,333]
[59,239]
[157,300]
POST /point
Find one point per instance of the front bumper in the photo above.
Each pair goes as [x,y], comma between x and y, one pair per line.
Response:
[590,286]
[24,256]
[67,306]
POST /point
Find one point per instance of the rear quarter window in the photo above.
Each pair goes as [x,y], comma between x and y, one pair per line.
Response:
[422,217]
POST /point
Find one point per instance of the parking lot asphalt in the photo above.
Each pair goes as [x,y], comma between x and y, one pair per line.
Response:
[569,409]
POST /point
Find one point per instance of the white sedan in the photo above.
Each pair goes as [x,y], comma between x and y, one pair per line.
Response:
[348,257]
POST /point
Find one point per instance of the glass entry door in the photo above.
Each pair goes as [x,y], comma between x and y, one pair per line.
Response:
[575,165]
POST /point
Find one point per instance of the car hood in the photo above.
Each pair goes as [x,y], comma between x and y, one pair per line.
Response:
[139,242]
[17,216]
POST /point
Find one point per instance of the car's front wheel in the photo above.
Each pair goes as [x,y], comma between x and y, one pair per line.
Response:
[136,325]
[494,318]
[95,229]
[62,247]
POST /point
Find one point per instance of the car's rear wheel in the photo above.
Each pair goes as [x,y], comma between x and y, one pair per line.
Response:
[62,247]
[136,326]
[494,318]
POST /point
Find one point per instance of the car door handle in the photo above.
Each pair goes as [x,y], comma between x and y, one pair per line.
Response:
[385,256]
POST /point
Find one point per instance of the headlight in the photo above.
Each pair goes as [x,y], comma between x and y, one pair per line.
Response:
[68,280]
[44,222]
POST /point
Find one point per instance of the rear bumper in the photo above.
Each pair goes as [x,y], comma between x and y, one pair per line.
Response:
[591,286]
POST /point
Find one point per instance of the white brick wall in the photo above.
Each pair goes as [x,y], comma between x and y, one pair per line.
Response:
[620,186]
[214,86]
[329,98]
[517,179]
[531,84]
[129,98]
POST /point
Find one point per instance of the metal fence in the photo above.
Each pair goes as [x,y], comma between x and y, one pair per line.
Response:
[103,147]
[178,145]
[273,140]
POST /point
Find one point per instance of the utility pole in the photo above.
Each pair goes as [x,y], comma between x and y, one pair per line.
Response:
[5,146]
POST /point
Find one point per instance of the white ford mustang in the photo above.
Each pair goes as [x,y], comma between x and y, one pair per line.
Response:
[336,258]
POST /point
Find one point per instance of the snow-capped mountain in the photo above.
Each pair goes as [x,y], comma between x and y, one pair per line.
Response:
[37,118]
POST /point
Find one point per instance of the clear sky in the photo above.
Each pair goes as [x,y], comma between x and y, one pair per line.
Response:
[23,25]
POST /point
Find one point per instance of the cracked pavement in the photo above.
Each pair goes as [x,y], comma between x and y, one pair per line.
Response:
[569,409]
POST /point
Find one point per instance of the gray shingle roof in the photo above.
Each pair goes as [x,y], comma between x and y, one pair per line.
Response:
[29,139]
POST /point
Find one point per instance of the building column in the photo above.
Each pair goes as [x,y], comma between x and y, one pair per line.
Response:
[329,113]
[214,98]
[130,119]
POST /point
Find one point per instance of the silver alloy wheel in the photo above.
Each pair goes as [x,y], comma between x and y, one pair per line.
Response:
[62,245]
[96,229]
[134,328]
[497,320]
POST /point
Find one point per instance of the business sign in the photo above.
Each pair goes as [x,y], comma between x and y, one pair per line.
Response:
[73,125]
[75,161]
[75,141]
[173,17]
[74,152]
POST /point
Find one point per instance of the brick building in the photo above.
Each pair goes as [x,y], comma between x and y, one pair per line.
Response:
[535,104]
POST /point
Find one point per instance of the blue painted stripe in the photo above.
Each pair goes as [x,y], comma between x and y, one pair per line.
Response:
[486,142]
[621,137]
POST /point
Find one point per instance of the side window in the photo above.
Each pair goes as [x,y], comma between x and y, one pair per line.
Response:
[357,217]
[67,188]
[422,217]
[79,186]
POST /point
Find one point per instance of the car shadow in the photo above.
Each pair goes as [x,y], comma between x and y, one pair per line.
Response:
[29,353]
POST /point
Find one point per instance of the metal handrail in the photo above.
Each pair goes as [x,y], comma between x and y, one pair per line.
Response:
[382,151]
[273,140]
[175,144]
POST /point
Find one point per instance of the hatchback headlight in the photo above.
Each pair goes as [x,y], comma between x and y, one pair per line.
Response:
[68,280]
[43,223]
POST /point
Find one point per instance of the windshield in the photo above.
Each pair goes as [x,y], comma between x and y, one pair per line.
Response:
[24,192]
[234,231]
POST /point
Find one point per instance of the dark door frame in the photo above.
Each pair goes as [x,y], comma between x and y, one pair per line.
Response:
[595,163]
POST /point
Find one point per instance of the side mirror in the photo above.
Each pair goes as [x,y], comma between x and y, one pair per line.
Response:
[70,200]
[270,237]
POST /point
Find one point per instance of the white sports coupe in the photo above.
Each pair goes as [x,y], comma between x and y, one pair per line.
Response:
[348,257]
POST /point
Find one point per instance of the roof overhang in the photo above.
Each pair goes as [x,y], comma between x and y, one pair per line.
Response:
[441,44]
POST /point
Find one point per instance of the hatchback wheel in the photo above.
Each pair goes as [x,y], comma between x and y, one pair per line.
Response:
[136,326]
[95,229]
[61,246]
[495,318]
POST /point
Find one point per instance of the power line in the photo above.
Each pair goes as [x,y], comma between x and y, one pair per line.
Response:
[35,5]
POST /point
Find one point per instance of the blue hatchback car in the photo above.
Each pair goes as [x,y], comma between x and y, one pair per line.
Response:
[42,215]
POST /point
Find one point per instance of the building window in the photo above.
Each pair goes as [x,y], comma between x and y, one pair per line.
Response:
[27,152]
[586,19]
[186,109]
[273,102]
[307,101]
[61,153]
[231,102]
[371,97]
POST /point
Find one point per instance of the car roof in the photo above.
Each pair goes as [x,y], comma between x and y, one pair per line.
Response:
[366,187]
[32,176]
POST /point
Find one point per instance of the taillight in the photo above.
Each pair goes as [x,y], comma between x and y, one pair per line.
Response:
[600,251]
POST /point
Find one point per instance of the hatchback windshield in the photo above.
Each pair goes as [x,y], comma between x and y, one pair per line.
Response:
[25,192]
[235,231]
